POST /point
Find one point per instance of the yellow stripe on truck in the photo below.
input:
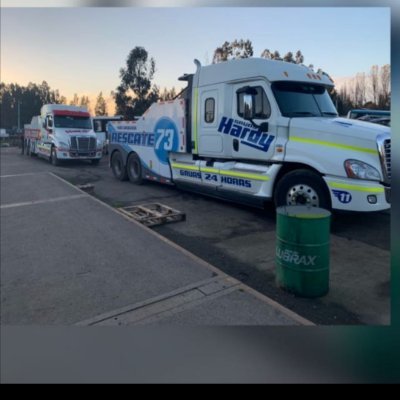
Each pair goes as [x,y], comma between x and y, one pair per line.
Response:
[244,175]
[194,122]
[332,144]
[184,166]
[222,172]
[369,189]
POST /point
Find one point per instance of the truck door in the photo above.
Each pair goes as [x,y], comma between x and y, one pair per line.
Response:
[210,140]
[247,141]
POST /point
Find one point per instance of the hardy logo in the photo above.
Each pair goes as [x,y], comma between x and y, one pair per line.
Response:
[294,257]
[249,136]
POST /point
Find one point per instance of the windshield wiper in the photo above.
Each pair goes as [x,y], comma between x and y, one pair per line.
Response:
[329,113]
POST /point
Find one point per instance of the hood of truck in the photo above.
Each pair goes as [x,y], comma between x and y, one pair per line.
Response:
[341,130]
[325,143]
[64,134]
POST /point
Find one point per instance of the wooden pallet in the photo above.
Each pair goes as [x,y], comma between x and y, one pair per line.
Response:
[153,214]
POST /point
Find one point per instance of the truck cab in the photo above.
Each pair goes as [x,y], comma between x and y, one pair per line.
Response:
[254,130]
[63,132]
[100,127]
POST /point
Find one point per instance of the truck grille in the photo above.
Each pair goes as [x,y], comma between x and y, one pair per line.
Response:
[388,161]
[83,144]
[384,148]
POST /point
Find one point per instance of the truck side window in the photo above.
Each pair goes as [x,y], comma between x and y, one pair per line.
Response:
[97,126]
[209,110]
[262,108]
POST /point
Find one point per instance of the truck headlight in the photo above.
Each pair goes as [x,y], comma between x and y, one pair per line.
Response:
[360,170]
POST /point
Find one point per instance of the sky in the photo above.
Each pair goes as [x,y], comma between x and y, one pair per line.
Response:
[81,50]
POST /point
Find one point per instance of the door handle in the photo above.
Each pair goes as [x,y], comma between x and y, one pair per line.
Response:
[236,144]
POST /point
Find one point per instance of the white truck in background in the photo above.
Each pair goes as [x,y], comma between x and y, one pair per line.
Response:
[62,132]
[255,130]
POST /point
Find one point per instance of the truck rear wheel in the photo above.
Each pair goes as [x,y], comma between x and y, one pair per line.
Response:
[134,168]
[302,187]
[53,157]
[118,167]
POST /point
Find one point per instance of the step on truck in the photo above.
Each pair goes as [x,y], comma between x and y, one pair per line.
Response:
[256,130]
[62,132]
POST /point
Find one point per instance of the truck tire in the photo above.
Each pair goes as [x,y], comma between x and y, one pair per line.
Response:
[118,167]
[134,169]
[302,187]
[53,157]
[31,146]
[27,146]
[95,161]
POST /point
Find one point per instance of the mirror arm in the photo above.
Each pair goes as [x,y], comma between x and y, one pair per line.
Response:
[253,123]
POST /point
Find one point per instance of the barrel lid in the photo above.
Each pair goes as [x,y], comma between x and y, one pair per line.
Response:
[303,212]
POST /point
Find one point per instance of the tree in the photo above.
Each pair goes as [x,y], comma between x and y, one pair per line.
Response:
[384,98]
[288,57]
[29,99]
[101,106]
[75,100]
[274,56]
[360,90]
[267,54]
[136,93]
[233,50]
[168,94]
[374,83]
[85,102]
[299,58]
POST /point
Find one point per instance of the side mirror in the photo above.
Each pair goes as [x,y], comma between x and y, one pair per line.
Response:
[248,106]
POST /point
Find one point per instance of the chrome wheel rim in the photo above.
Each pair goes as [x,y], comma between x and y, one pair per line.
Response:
[302,195]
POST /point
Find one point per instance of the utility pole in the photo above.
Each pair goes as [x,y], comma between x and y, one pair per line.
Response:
[19,114]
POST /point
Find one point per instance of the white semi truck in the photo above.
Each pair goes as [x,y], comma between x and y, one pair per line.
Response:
[62,132]
[254,130]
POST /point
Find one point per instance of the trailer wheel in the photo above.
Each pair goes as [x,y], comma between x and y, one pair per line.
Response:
[302,187]
[134,168]
[118,167]
[53,157]
[31,153]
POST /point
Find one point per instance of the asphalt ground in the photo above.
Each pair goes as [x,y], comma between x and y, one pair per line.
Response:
[240,241]
[70,259]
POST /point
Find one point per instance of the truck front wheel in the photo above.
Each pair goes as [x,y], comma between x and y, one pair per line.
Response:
[134,168]
[118,167]
[53,157]
[302,187]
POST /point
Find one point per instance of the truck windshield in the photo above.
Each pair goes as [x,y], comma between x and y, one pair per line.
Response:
[67,121]
[296,99]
